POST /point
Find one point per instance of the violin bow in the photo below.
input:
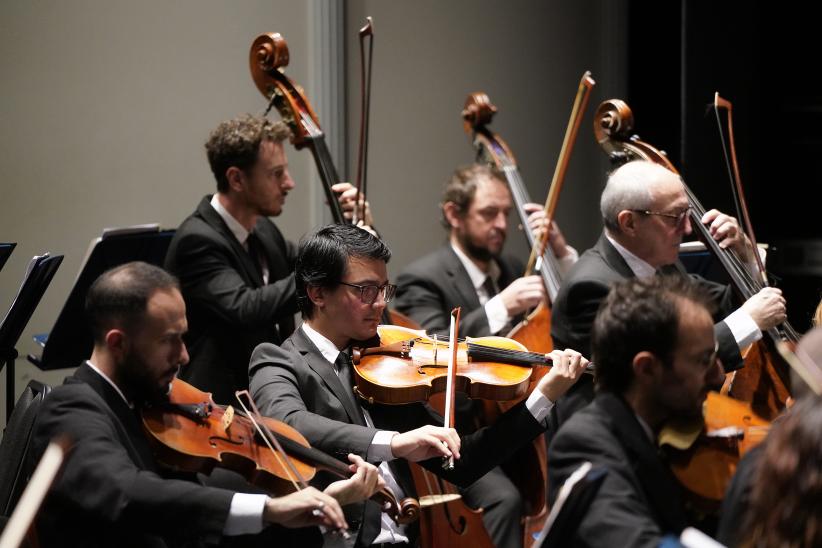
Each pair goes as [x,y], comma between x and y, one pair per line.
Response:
[274,446]
[586,84]
[450,386]
[365,92]
[736,181]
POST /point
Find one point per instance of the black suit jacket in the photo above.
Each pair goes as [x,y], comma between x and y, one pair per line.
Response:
[639,501]
[296,384]
[587,285]
[229,309]
[109,492]
[430,287]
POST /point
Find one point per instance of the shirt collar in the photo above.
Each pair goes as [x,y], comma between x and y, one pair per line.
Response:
[111,382]
[640,268]
[234,225]
[646,428]
[477,276]
[327,348]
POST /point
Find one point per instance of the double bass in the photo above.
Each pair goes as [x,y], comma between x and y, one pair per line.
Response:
[706,452]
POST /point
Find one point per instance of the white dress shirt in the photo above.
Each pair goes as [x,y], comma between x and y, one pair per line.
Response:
[238,230]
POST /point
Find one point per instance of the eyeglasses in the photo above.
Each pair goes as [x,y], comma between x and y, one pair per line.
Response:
[679,217]
[368,293]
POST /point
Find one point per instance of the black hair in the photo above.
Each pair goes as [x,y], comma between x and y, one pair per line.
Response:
[636,316]
[324,254]
[118,298]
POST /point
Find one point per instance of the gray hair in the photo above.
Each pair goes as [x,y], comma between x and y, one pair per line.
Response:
[629,187]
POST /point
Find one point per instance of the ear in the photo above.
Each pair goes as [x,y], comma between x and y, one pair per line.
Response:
[627,219]
[646,367]
[452,214]
[236,178]
[117,342]
[316,294]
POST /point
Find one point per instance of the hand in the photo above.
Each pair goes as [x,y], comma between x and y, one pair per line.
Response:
[767,308]
[347,196]
[365,482]
[568,366]
[725,230]
[426,443]
[305,508]
[522,294]
[539,223]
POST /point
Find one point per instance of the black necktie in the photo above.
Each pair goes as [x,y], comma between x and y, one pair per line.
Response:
[490,286]
[255,251]
[345,371]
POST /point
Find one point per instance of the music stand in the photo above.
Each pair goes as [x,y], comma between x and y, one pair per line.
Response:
[40,271]
[5,253]
[571,505]
[70,341]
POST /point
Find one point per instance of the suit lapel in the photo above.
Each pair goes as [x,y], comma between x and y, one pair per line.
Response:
[658,483]
[135,441]
[459,278]
[317,362]
[612,257]
[213,219]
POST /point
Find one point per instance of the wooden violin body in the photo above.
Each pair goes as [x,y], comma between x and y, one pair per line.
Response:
[192,433]
[409,366]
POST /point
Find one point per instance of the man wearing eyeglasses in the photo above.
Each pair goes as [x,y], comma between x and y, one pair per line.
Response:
[645,210]
[342,285]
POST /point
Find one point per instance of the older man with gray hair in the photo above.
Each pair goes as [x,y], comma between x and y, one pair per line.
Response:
[645,211]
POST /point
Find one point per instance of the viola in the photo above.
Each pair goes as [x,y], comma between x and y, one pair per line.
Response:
[190,432]
[409,366]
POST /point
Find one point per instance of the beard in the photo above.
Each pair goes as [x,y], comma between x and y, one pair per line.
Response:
[143,387]
[475,250]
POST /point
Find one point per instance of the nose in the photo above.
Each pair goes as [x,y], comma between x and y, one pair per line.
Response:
[288,183]
[686,225]
[501,221]
[183,360]
[715,376]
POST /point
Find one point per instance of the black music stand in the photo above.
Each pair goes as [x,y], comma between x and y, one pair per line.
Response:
[38,276]
[70,341]
[570,506]
[5,253]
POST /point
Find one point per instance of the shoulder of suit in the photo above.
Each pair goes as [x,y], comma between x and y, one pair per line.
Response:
[429,263]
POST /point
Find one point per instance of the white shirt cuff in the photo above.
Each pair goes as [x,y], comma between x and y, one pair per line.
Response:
[539,405]
[245,516]
[566,262]
[743,328]
[497,314]
[380,448]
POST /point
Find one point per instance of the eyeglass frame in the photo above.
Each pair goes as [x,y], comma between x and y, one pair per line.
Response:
[388,291]
[678,217]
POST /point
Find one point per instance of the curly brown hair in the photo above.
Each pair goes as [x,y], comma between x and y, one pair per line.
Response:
[236,143]
[786,497]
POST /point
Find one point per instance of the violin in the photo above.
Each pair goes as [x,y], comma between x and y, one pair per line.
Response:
[409,366]
[190,432]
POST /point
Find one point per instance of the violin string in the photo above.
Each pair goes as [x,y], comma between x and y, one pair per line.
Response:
[293,475]
[504,353]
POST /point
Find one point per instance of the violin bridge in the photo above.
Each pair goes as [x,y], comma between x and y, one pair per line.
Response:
[228,417]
